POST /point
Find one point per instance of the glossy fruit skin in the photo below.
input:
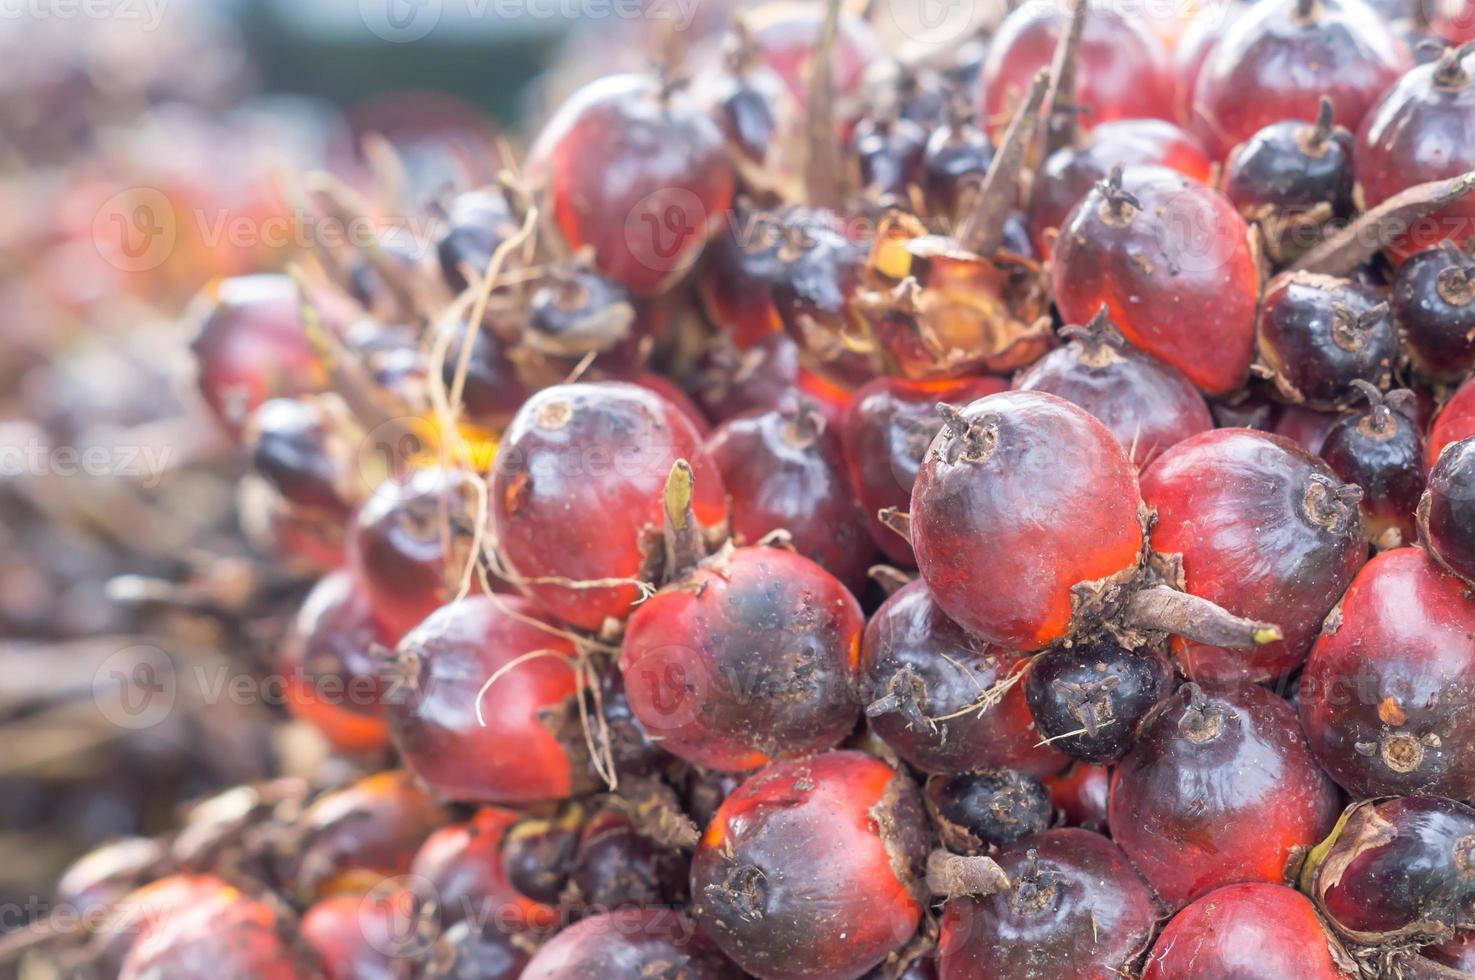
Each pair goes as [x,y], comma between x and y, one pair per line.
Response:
[360,834]
[1147,404]
[1202,32]
[1447,511]
[1077,912]
[1070,172]
[749,659]
[1288,167]
[1385,697]
[361,937]
[630,943]
[1398,867]
[1185,812]
[578,478]
[1081,794]
[785,469]
[616,866]
[142,910]
[1315,350]
[331,658]
[493,388]
[639,174]
[228,935]
[888,428]
[463,864]
[1382,452]
[1252,931]
[1343,50]
[1099,686]
[300,448]
[957,155]
[1418,132]
[1122,70]
[1458,952]
[527,750]
[890,155]
[1433,301]
[1177,275]
[465,952]
[978,810]
[476,222]
[841,831]
[911,641]
[1454,422]
[1260,531]
[984,509]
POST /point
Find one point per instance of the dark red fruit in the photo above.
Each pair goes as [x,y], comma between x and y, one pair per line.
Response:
[1386,695]
[306,449]
[1342,49]
[1317,334]
[464,867]
[785,469]
[889,151]
[1458,952]
[842,832]
[1380,449]
[493,387]
[617,866]
[140,912]
[466,951]
[577,312]
[1196,42]
[976,811]
[786,33]
[1433,302]
[1454,422]
[747,98]
[1398,868]
[576,494]
[226,935]
[888,428]
[484,705]
[1147,404]
[945,700]
[538,853]
[476,223]
[957,155]
[985,509]
[1089,698]
[637,171]
[630,943]
[750,658]
[1122,71]
[1264,529]
[1171,260]
[1076,911]
[1447,510]
[735,283]
[356,836]
[1080,793]
[1189,816]
[1253,931]
[332,658]
[1429,107]
[364,937]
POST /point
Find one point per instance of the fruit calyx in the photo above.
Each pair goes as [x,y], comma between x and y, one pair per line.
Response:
[1329,505]
[967,441]
[1037,888]
[1350,328]
[1456,282]
[1315,138]
[1119,207]
[1449,70]
[1100,342]
[1381,420]
[1201,721]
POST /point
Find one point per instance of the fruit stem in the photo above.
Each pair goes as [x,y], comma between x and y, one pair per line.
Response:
[1062,122]
[1321,129]
[1359,241]
[897,520]
[1036,889]
[906,694]
[1350,328]
[954,876]
[822,169]
[1100,340]
[1120,205]
[1200,722]
[1450,72]
[982,230]
[969,441]
[681,533]
[1454,283]
[1160,607]
[1330,506]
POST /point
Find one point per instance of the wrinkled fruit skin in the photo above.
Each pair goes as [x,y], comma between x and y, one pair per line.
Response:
[842,832]
[630,943]
[985,516]
[577,483]
[911,641]
[1178,275]
[1253,931]
[1188,812]
[1081,913]
[748,660]
[1259,533]
[1386,697]
[1447,512]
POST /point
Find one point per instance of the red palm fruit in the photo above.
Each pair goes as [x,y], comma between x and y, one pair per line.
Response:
[1344,49]
[1264,529]
[1122,70]
[476,222]
[888,428]
[785,469]
[1447,509]
[974,812]
[1080,793]
[1184,810]
[842,832]
[1203,31]
[468,952]
[227,935]
[617,866]
[576,494]
[102,876]
[304,447]
[464,867]
[1433,300]
[630,943]
[923,677]
[1147,404]
[1076,911]
[143,910]
[365,937]
[1318,334]
[985,516]
[252,347]
[1386,692]
[750,658]
[1397,869]
[484,708]
[638,172]
[1458,952]
[729,381]
[1306,427]
[785,34]
[1455,421]
[1429,107]
[1380,449]
[1253,931]
[1070,172]
[1171,260]
[356,836]
[332,663]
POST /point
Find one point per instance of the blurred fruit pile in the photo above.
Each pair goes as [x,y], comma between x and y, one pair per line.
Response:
[853,500]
